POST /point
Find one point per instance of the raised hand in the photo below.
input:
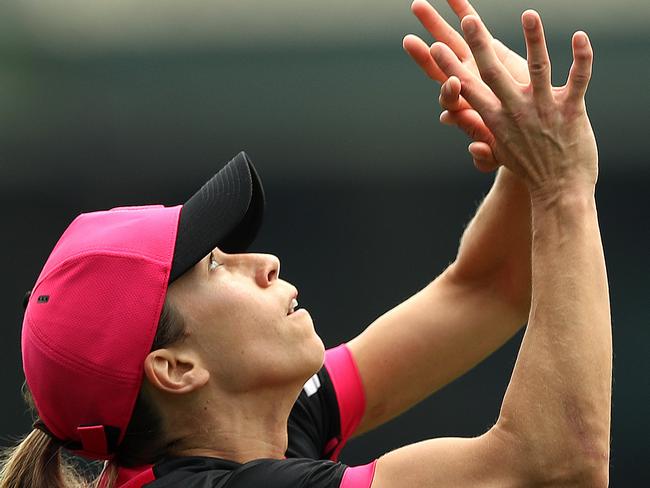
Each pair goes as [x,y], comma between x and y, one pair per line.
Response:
[456,110]
[438,27]
[539,132]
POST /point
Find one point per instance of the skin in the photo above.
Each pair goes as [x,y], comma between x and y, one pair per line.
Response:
[216,404]
[561,385]
[479,301]
[226,390]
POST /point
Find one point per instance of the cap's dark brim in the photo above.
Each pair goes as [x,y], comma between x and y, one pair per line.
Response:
[226,212]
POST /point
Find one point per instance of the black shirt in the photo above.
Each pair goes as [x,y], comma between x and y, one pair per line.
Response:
[326,413]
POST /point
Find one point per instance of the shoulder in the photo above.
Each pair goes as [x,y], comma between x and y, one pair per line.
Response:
[269,473]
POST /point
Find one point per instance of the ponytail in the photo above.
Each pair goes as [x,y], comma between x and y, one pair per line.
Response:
[37,462]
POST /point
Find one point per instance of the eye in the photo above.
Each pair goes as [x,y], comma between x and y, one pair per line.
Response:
[213,264]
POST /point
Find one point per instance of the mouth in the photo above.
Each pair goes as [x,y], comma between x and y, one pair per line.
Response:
[293,305]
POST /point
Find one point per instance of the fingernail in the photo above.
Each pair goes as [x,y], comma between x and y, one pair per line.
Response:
[581,40]
[470,26]
[529,21]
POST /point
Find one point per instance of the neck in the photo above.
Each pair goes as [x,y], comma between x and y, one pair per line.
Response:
[239,428]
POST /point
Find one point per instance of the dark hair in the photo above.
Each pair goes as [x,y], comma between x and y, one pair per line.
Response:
[38,461]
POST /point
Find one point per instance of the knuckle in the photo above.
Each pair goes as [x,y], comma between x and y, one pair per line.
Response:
[469,89]
[538,68]
[581,78]
[476,42]
[519,116]
[471,131]
[445,64]
[490,74]
[547,114]
[584,55]
[495,121]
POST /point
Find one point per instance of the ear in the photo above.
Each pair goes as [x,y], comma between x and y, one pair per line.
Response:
[174,372]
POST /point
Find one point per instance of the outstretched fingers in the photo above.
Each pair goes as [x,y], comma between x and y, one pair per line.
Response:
[462,8]
[439,28]
[539,64]
[580,72]
[450,98]
[419,52]
[493,73]
[472,88]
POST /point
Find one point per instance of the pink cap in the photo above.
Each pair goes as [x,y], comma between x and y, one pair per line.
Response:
[94,310]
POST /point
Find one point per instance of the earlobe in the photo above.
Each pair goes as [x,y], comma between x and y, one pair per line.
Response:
[170,372]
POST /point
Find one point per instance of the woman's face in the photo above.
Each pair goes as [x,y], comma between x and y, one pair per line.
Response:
[240,319]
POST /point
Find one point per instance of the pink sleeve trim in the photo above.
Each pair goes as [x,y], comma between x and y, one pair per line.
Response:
[129,477]
[359,476]
[350,395]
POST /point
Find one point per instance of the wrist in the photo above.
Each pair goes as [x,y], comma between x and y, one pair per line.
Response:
[559,215]
[511,182]
[562,195]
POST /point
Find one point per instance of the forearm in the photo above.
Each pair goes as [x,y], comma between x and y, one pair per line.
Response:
[467,313]
[495,247]
[558,401]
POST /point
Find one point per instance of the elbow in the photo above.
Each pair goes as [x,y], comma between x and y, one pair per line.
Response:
[565,463]
[578,472]
[506,284]
[597,478]
[580,476]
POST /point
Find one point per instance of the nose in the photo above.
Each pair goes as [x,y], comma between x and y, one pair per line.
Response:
[268,270]
[264,268]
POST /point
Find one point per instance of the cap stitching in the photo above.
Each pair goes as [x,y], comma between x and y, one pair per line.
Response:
[111,252]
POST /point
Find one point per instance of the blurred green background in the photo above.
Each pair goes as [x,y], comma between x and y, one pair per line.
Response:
[106,103]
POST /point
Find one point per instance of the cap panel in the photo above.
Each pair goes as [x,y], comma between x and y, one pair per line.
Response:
[71,398]
[92,323]
[139,230]
[93,314]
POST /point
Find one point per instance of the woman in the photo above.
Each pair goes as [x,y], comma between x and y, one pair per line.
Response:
[148,342]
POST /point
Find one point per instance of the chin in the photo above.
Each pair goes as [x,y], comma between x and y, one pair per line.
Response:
[319,354]
[314,357]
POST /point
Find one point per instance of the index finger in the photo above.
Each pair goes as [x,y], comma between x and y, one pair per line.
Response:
[419,52]
[462,8]
[473,89]
[439,28]
[490,67]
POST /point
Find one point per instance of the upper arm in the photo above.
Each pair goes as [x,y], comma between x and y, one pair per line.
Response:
[428,341]
[485,461]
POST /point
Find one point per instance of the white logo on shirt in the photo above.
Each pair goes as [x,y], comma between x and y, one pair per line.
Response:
[312,385]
